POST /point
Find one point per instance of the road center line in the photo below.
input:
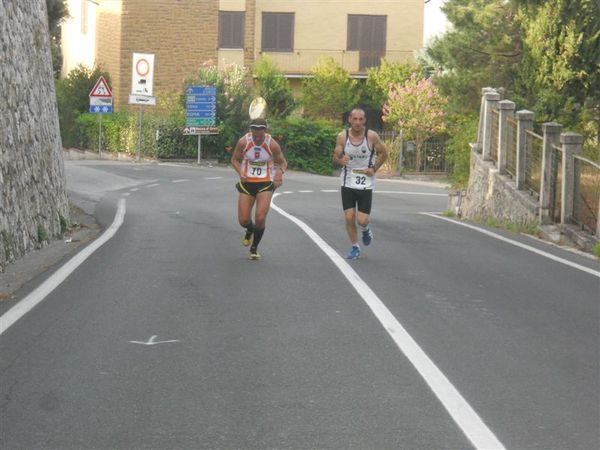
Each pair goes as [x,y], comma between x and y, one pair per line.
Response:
[518,244]
[458,408]
[40,293]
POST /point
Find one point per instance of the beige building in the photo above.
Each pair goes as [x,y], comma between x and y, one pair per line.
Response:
[183,34]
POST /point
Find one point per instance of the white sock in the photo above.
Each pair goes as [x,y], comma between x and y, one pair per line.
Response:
[356,245]
[365,228]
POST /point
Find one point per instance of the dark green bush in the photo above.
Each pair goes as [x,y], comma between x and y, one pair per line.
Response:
[307,145]
[72,97]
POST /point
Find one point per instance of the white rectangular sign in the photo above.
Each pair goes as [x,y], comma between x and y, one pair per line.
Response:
[142,100]
[142,73]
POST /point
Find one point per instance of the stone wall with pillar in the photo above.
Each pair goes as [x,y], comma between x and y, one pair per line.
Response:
[33,201]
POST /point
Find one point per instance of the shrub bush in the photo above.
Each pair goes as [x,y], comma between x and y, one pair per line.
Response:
[307,145]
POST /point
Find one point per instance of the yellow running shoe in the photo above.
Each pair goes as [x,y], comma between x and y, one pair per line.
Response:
[247,238]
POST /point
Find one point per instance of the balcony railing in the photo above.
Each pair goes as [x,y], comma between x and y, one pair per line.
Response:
[302,61]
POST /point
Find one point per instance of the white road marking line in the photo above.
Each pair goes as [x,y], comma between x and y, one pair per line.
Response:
[305,192]
[134,189]
[213,178]
[180,181]
[287,192]
[40,293]
[433,194]
[518,244]
[152,185]
[463,414]
[152,341]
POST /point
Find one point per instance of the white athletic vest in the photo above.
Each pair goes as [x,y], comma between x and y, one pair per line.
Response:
[258,160]
[361,158]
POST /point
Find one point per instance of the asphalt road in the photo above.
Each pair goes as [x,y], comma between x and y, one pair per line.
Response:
[440,337]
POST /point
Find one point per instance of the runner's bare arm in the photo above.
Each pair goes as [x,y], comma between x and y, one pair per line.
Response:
[281,163]
[380,150]
[339,159]
[236,159]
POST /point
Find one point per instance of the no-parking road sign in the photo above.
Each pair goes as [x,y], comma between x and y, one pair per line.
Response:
[142,74]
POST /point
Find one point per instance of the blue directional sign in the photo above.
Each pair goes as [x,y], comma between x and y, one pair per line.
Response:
[201,106]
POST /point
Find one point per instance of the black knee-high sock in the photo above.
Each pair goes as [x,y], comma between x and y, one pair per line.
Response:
[258,234]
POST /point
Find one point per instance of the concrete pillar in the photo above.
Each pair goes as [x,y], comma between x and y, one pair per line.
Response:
[479,143]
[571,146]
[551,132]
[506,109]
[524,123]
[491,100]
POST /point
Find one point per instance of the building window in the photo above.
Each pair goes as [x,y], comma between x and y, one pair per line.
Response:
[84,16]
[367,35]
[231,29]
[277,32]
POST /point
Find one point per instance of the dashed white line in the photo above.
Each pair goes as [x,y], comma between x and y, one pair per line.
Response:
[213,178]
[40,293]
[463,414]
[433,194]
[180,181]
[305,192]
[134,189]
[518,244]
[152,185]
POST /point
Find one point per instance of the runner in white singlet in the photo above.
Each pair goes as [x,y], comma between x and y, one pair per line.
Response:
[360,153]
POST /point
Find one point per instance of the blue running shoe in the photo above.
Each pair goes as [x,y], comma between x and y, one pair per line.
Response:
[367,236]
[354,253]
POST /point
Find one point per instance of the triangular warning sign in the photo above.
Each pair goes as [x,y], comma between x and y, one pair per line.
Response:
[101,89]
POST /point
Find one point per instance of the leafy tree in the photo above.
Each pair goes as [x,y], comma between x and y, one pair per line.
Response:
[562,62]
[72,96]
[418,109]
[483,48]
[57,12]
[233,84]
[273,87]
[381,78]
[330,92]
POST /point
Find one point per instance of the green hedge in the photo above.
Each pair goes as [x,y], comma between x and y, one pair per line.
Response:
[307,145]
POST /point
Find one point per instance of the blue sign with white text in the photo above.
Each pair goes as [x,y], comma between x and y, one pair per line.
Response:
[201,106]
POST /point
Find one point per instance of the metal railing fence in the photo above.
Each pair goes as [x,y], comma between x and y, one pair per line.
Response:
[494,135]
[533,161]
[586,193]
[511,154]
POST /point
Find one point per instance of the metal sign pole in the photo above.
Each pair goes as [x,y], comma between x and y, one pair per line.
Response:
[100,139]
[199,147]
[139,152]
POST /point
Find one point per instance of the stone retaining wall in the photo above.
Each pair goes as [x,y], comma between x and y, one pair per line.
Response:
[491,195]
[33,203]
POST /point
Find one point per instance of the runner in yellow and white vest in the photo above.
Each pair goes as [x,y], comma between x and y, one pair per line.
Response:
[260,164]
[360,153]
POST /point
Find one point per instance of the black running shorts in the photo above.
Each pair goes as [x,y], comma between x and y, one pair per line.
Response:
[255,188]
[360,198]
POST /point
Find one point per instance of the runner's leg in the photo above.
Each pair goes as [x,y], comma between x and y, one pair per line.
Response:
[263,203]
[350,216]
[245,204]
